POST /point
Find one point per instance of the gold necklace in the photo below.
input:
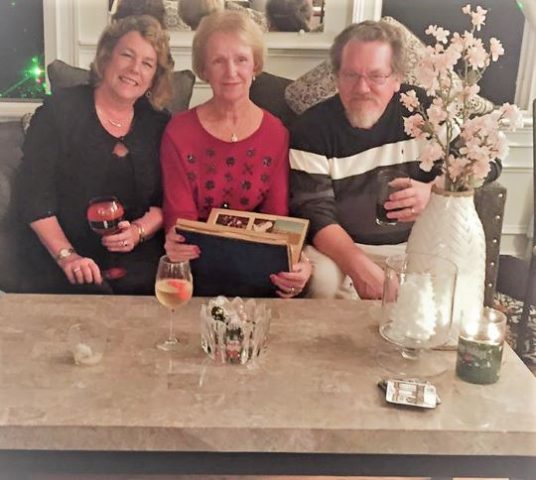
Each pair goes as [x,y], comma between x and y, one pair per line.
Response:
[115,123]
[234,137]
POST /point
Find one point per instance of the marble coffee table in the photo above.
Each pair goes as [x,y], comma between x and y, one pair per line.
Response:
[310,405]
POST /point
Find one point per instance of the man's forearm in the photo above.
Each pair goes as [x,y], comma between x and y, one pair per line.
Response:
[366,276]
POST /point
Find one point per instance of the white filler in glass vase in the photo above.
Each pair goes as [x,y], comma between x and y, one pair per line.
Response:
[414,313]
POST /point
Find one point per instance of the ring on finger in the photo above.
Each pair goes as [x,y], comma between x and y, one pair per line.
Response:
[292,290]
[76,269]
[125,243]
[412,209]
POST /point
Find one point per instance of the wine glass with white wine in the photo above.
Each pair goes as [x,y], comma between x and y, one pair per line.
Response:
[173,289]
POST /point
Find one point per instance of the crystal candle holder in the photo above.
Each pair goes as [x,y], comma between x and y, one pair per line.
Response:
[234,331]
[480,347]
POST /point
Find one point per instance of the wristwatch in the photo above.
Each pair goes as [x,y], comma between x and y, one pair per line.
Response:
[64,253]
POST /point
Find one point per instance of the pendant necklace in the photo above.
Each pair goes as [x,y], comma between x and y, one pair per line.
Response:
[234,137]
[114,123]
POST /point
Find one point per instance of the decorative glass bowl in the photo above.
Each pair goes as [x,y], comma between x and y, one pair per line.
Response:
[234,331]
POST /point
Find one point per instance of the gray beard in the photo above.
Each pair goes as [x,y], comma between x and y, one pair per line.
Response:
[365,119]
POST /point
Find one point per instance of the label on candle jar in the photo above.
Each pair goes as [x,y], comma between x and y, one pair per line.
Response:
[478,361]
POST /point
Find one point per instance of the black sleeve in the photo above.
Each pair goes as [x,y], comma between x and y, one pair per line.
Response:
[311,185]
[41,152]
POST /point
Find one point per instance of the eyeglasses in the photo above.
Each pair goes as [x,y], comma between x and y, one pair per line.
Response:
[373,78]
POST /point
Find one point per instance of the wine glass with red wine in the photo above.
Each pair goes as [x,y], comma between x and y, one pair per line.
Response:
[104,214]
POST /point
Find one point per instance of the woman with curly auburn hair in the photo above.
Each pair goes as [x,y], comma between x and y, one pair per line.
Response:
[101,140]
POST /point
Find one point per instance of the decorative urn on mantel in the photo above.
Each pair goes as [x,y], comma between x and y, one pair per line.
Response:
[465,146]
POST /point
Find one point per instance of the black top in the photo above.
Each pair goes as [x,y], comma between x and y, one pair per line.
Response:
[68,159]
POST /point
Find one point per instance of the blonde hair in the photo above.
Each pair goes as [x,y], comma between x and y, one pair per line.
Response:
[150,30]
[234,22]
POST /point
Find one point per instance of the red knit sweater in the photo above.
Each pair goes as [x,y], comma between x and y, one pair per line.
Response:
[201,172]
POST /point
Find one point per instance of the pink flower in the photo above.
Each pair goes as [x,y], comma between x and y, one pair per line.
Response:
[501,146]
[436,114]
[440,34]
[481,168]
[453,53]
[495,48]
[456,166]
[446,124]
[471,90]
[413,125]
[431,152]
[478,17]
[513,115]
[477,56]
[410,100]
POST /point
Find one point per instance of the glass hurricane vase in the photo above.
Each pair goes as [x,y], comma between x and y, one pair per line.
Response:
[416,314]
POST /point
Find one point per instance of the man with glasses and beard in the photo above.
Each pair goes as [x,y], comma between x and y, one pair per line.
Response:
[337,149]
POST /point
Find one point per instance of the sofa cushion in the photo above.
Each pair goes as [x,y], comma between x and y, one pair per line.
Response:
[268,91]
[62,75]
[319,83]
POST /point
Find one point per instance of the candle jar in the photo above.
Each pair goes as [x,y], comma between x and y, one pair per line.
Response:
[480,347]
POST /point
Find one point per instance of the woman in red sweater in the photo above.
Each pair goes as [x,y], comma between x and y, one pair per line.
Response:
[226,152]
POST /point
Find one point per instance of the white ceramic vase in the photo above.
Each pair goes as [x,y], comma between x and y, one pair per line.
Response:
[450,228]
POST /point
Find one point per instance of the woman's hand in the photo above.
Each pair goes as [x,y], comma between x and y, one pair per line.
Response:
[292,283]
[177,250]
[123,242]
[405,205]
[80,270]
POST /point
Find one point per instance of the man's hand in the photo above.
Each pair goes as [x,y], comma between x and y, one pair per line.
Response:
[368,280]
[367,277]
[405,205]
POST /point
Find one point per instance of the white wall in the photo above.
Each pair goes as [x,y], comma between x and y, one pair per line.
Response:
[73,27]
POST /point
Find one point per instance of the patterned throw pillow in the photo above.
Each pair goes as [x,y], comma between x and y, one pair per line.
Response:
[319,83]
[512,308]
[173,19]
[311,88]
[62,75]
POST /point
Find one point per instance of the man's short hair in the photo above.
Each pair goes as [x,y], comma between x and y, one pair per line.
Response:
[371,31]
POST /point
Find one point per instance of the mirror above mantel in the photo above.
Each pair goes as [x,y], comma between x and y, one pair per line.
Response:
[328,18]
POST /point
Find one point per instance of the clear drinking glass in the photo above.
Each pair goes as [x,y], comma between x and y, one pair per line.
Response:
[384,189]
[173,289]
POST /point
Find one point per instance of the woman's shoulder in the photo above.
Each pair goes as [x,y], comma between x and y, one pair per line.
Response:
[272,122]
[182,120]
[70,98]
